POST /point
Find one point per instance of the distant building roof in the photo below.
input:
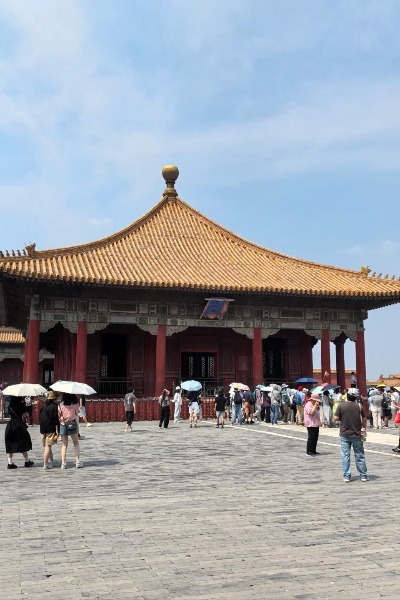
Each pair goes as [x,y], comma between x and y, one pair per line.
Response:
[175,246]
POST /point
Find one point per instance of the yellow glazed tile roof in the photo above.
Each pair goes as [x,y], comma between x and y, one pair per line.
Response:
[9,335]
[175,246]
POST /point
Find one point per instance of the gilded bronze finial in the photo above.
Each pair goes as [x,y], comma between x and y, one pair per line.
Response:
[170,174]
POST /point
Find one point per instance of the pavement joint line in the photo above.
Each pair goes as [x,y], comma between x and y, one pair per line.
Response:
[294,437]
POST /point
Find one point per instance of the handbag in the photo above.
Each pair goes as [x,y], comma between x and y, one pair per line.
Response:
[55,438]
[397,418]
[71,425]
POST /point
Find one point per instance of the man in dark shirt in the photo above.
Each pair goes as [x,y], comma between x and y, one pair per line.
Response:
[353,422]
[220,403]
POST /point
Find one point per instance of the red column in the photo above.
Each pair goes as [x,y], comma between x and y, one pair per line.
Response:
[25,358]
[307,369]
[81,352]
[340,366]
[257,357]
[31,369]
[160,359]
[360,363]
[325,356]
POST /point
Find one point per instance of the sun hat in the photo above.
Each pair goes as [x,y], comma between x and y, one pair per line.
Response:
[354,392]
[315,397]
[52,395]
[177,387]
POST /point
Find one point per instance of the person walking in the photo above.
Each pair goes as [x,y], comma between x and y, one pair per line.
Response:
[394,402]
[68,411]
[375,402]
[194,408]
[353,422]
[177,400]
[16,435]
[336,399]
[130,407]
[265,414]
[82,411]
[220,403]
[285,403]
[164,409]
[49,427]
[237,407]
[275,403]
[326,409]
[29,409]
[299,400]
[312,420]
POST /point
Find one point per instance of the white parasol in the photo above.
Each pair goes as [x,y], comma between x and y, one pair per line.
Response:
[73,387]
[25,389]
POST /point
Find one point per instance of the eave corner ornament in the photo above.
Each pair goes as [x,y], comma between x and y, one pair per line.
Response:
[31,249]
[365,271]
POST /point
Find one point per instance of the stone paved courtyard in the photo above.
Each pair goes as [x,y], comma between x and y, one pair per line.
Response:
[201,514]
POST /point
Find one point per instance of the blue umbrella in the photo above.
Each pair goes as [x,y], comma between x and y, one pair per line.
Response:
[306,380]
[191,385]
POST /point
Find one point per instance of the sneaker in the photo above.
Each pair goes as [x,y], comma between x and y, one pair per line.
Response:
[63,465]
[29,463]
[79,464]
[217,426]
[89,424]
[12,466]
[365,478]
[81,437]
[396,450]
[346,480]
[317,453]
[53,462]
[47,466]
[310,453]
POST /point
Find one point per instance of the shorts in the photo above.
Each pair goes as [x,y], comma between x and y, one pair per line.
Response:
[82,411]
[47,439]
[65,431]
[194,408]
[220,414]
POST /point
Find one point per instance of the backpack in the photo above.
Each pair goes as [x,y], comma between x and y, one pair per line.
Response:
[298,400]
[237,397]
[285,397]
[385,403]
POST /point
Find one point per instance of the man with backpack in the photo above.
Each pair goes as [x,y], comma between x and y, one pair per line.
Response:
[237,406]
[285,402]
[299,400]
[249,402]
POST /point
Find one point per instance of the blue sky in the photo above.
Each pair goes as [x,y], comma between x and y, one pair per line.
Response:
[283,118]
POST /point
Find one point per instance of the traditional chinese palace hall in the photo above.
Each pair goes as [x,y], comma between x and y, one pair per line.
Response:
[176,296]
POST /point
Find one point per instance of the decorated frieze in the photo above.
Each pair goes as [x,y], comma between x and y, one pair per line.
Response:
[178,317]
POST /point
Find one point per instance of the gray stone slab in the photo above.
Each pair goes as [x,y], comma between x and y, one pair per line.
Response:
[240,513]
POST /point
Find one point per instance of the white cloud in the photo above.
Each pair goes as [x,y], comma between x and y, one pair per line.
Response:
[355,250]
[388,248]
[100,222]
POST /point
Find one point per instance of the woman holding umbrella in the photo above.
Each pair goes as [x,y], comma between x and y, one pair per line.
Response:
[16,437]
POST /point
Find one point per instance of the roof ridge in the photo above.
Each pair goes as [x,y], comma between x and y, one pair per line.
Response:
[123,233]
[94,245]
[246,242]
